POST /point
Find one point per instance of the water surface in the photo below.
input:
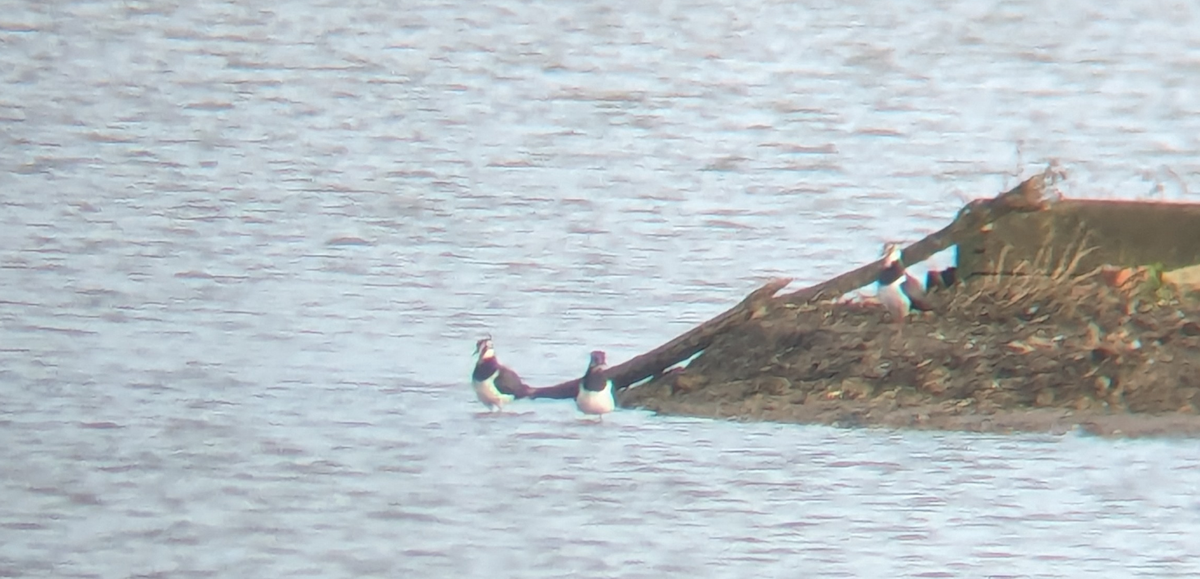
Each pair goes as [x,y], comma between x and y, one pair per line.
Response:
[246,250]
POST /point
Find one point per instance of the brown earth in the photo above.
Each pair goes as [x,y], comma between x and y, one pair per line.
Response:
[1021,353]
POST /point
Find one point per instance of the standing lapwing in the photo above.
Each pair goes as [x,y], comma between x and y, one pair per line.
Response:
[495,384]
[595,389]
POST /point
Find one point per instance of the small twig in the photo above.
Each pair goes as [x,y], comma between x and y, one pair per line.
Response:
[1079,255]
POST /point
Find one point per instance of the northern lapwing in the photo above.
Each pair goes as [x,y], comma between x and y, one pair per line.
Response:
[495,384]
[899,290]
[595,389]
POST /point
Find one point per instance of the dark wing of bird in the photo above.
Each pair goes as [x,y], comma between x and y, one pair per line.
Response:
[510,383]
[916,294]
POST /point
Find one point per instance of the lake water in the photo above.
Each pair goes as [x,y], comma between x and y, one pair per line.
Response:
[246,249]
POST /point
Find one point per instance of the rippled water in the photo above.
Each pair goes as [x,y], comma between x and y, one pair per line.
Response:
[246,250]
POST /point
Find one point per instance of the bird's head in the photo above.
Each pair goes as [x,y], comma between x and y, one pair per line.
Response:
[892,254]
[483,348]
[598,360]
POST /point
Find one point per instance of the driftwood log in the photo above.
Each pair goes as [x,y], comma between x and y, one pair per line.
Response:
[1028,196]
[654,362]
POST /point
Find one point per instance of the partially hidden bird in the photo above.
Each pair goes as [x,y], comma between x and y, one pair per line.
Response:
[898,290]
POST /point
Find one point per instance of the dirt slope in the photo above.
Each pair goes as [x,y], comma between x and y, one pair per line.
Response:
[1021,353]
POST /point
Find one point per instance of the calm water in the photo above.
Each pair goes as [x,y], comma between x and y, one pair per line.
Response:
[246,250]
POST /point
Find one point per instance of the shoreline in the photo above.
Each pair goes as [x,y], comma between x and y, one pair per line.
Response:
[1034,354]
[946,416]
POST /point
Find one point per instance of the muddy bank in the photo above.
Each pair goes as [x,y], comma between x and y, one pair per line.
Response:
[1020,353]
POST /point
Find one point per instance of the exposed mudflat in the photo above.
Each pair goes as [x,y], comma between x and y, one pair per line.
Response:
[1025,353]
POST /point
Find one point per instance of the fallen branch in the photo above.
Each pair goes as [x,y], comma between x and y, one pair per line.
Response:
[654,362]
[1029,196]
